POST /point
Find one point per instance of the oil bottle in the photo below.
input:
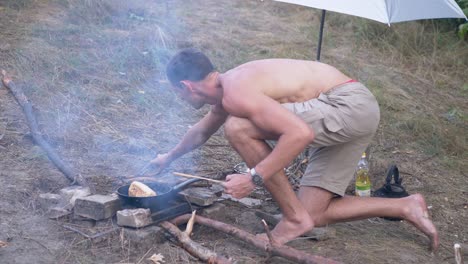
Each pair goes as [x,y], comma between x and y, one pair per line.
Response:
[363,184]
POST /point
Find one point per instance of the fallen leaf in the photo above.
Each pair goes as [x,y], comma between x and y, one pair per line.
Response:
[157,258]
[3,244]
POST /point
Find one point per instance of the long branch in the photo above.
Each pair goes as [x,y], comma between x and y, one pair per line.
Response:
[193,247]
[281,251]
[32,124]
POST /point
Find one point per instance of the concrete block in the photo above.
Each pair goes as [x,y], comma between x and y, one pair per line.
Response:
[214,210]
[82,221]
[144,236]
[57,213]
[217,189]
[135,218]
[71,193]
[97,206]
[49,200]
[200,196]
[249,202]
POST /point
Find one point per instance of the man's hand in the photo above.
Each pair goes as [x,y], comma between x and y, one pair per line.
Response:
[239,185]
[160,162]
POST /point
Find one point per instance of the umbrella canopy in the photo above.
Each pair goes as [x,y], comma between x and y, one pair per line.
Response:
[385,11]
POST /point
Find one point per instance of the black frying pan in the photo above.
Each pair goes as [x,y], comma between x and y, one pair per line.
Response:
[165,194]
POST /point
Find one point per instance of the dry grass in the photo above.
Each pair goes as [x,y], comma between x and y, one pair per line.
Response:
[438,62]
[93,69]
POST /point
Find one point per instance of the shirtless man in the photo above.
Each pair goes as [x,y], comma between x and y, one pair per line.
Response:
[298,103]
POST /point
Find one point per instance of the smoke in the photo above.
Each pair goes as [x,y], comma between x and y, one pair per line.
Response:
[94,70]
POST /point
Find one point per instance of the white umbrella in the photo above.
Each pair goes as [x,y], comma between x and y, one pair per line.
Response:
[385,11]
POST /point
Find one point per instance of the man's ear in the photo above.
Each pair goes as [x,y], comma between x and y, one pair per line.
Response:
[186,85]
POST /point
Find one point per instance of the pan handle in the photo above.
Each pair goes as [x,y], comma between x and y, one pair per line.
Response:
[181,185]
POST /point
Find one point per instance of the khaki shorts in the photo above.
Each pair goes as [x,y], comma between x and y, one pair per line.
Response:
[344,120]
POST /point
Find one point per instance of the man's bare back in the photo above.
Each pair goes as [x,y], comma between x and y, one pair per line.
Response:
[287,80]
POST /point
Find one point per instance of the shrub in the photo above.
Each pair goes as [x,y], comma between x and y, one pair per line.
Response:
[463,24]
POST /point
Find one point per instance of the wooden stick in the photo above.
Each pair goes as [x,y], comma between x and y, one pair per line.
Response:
[286,252]
[197,177]
[193,247]
[458,254]
[191,221]
[27,108]
[267,230]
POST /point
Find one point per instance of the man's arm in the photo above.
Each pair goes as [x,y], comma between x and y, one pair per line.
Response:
[268,115]
[194,137]
[200,132]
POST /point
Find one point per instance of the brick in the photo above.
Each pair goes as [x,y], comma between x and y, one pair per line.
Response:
[57,213]
[214,210]
[247,201]
[49,200]
[71,193]
[135,218]
[97,206]
[144,236]
[217,189]
[200,196]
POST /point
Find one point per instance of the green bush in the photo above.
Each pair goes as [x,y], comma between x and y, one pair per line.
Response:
[463,24]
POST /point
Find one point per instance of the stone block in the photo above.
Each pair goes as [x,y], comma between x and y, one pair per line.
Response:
[71,193]
[200,196]
[49,200]
[97,206]
[135,218]
[217,189]
[57,213]
[144,236]
[247,201]
[214,210]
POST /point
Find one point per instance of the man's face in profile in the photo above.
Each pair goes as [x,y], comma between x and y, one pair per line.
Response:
[188,96]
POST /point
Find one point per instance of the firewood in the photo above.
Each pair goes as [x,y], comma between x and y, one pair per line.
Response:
[458,254]
[193,247]
[275,250]
[23,101]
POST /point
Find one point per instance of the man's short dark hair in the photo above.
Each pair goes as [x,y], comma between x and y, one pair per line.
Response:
[188,64]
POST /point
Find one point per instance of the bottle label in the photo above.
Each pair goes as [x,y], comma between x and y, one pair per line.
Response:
[363,193]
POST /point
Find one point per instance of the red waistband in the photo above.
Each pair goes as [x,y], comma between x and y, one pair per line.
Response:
[349,81]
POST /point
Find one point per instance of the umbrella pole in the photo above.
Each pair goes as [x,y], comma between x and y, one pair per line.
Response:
[322,22]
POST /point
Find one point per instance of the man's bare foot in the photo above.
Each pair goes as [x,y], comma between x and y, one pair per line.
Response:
[287,230]
[417,214]
[264,237]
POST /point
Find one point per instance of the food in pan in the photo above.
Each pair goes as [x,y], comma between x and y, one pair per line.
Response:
[138,189]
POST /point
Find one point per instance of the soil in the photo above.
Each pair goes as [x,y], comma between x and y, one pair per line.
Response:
[94,73]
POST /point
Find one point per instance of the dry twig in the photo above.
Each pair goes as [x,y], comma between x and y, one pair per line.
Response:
[458,254]
[3,244]
[267,230]
[32,123]
[189,228]
[193,247]
[281,251]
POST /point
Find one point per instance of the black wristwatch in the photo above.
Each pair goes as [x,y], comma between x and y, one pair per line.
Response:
[257,179]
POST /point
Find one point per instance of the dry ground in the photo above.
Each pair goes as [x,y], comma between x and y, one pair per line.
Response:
[93,71]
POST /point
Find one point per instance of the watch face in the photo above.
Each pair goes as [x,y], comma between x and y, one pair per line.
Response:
[257,180]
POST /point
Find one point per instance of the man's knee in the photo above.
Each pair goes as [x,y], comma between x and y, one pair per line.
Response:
[234,128]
